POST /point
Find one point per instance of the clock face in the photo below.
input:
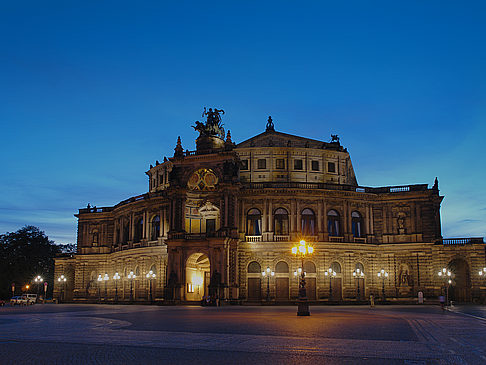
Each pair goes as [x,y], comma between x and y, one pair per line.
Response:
[202,179]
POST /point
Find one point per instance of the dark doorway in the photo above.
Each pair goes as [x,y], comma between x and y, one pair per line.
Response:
[310,285]
[282,289]
[210,227]
[254,289]
[460,290]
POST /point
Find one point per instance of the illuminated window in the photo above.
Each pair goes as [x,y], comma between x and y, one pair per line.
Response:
[190,288]
[155,231]
[281,221]
[280,163]
[333,223]
[357,224]
[308,222]
[254,222]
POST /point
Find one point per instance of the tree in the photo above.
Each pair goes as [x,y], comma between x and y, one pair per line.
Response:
[25,254]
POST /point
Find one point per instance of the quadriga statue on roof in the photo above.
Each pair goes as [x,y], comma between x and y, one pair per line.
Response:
[213,126]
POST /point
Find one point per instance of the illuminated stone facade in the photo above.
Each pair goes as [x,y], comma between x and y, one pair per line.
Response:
[215,218]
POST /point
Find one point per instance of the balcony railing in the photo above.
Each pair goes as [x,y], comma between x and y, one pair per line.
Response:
[336,239]
[326,186]
[281,238]
[253,238]
[460,241]
[359,239]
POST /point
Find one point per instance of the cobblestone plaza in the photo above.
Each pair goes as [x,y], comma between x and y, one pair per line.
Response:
[110,334]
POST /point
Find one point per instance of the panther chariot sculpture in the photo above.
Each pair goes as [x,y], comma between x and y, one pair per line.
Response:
[213,126]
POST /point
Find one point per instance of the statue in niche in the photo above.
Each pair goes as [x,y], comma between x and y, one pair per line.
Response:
[404,276]
[401,223]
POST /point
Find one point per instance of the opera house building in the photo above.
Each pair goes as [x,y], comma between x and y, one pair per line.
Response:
[220,222]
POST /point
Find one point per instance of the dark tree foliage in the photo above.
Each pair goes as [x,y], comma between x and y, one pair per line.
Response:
[24,255]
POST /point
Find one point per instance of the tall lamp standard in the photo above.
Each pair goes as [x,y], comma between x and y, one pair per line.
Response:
[332,274]
[446,275]
[302,250]
[100,279]
[358,274]
[131,276]
[268,273]
[150,276]
[62,280]
[38,280]
[105,279]
[383,275]
[116,277]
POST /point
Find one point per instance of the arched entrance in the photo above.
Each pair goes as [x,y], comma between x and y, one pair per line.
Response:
[197,276]
[460,290]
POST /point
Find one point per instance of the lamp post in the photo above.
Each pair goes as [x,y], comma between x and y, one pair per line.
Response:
[38,280]
[332,274]
[302,250]
[105,279]
[116,277]
[268,273]
[383,275]
[131,276]
[150,276]
[62,280]
[446,277]
[100,279]
[358,274]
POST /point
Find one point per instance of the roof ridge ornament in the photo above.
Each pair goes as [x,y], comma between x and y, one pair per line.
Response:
[270,125]
[178,150]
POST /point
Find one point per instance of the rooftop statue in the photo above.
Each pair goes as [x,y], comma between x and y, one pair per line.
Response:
[334,138]
[213,126]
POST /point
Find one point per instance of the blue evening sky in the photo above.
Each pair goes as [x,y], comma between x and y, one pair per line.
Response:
[92,92]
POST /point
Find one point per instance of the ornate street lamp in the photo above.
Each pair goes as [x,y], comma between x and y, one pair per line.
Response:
[131,276]
[38,280]
[332,274]
[116,277]
[383,275]
[268,273]
[150,276]
[482,271]
[358,274]
[105,279]
[446,277]
[62,280]
[100,279]
[302,250]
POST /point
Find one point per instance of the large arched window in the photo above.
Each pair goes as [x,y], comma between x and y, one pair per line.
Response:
[254,222]
[357,224]
[309,267]
[138,230]
[254,267]
[333,226]
[126,230]
[308,222]
[336,267]
[281,221]
[155,229]
[282,267]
